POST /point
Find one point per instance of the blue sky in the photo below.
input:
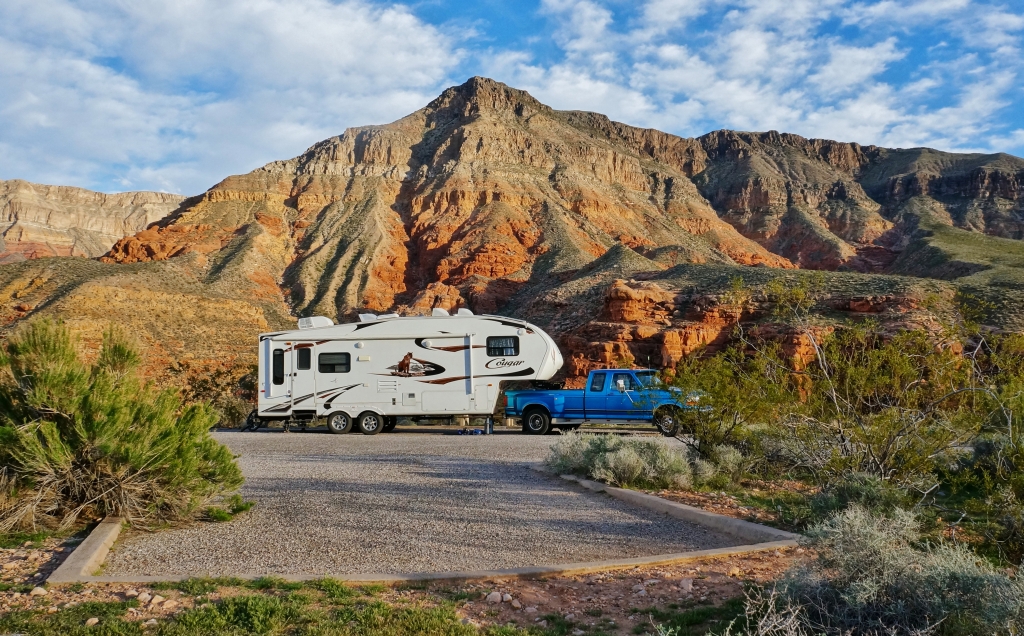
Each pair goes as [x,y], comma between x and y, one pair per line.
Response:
[120,95]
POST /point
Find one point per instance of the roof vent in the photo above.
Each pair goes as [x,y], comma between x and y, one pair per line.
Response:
[367,317]
[315,321]
[464,312]
[388,316]
[437,311]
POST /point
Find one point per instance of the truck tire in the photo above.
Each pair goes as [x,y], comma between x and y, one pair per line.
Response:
[536,421]
[667,420]
[339,422]
[370,423]
[390,422]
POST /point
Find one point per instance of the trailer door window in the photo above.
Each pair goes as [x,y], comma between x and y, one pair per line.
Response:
[278,366]
[597,383]
[305,360]
[334,362]
[503,345]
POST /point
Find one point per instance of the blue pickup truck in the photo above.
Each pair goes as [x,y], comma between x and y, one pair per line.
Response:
[610,396]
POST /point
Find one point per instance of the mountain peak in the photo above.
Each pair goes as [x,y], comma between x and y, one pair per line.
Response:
[484,96]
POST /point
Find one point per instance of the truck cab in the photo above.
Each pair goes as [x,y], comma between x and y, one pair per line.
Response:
[610,396]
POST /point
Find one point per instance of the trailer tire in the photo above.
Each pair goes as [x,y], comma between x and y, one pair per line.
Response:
[339,422]
[390,422]
[667,420]
[252,422]
[370,423]
[536,421]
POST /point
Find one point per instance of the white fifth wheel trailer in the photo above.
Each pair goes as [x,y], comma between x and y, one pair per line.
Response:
[367,374]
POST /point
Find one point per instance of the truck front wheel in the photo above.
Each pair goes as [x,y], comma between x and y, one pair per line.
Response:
[536,422]
[667,421]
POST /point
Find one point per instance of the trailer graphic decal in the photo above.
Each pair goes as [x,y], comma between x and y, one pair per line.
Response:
[410,367]
[335,392]
[513,374]
[451,349]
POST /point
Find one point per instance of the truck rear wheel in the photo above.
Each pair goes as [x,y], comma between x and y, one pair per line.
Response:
[370,423]
[339,422]
[536,422]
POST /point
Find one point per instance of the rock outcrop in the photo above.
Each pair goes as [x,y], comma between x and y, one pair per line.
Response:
[43,220]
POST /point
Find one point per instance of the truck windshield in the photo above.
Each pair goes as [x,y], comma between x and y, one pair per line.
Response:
[647,378]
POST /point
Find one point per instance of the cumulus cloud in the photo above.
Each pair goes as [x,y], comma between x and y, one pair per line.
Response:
[115,94]
[174,96]
[894,72]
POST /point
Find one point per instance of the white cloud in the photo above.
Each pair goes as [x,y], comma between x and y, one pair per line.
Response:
[177,95]
[814,67]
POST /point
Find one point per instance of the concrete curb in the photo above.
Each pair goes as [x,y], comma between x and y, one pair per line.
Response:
[530,572]
[739,528]
[89,555]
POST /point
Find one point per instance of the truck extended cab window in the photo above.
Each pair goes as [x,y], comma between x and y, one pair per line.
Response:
[597,383]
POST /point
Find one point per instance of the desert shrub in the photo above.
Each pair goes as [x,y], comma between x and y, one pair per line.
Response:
[872,575]
[738,393]
[867,491]
[229,390]
[703,471]
[640,462]
[95,439]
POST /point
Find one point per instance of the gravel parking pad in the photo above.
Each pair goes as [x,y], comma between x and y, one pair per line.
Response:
[403,502]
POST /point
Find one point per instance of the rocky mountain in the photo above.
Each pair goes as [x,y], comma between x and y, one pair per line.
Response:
[622,241]
[42,220]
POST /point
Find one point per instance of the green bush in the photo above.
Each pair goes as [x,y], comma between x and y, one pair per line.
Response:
[637,462]
[867,491]
[872,575]
[79,439]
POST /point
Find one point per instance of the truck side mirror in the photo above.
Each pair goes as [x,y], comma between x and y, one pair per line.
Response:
[621,384]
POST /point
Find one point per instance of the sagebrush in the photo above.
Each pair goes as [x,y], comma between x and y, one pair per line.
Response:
[641,462]
[95,439]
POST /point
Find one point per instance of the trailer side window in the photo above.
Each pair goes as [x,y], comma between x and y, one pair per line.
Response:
[277,370]
[503,345]
[305,360]
[597,384]
[334,362]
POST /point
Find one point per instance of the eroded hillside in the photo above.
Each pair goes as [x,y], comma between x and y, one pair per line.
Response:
[620,240]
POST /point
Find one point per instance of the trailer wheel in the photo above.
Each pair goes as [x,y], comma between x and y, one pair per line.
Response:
[339,422]
[667,421]
[370,423]
[536,422]
[252,422]
[390,422]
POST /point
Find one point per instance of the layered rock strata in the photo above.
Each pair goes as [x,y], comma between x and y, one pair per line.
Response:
[43,220]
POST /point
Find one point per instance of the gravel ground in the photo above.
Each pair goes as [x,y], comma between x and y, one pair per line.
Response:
[403,502]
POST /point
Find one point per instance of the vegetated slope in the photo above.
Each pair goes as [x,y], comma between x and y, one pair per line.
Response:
[43,220]
[488,199]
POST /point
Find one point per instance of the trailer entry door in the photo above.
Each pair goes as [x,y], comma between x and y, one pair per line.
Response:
[303,378]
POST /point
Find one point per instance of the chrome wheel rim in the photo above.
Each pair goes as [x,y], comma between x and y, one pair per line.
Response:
[338,422]
[370,423]
[535,422]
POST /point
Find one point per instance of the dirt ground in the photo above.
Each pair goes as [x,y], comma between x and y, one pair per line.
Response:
[613,601]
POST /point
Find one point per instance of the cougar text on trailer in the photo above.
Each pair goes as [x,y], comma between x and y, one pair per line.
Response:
[366,374]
